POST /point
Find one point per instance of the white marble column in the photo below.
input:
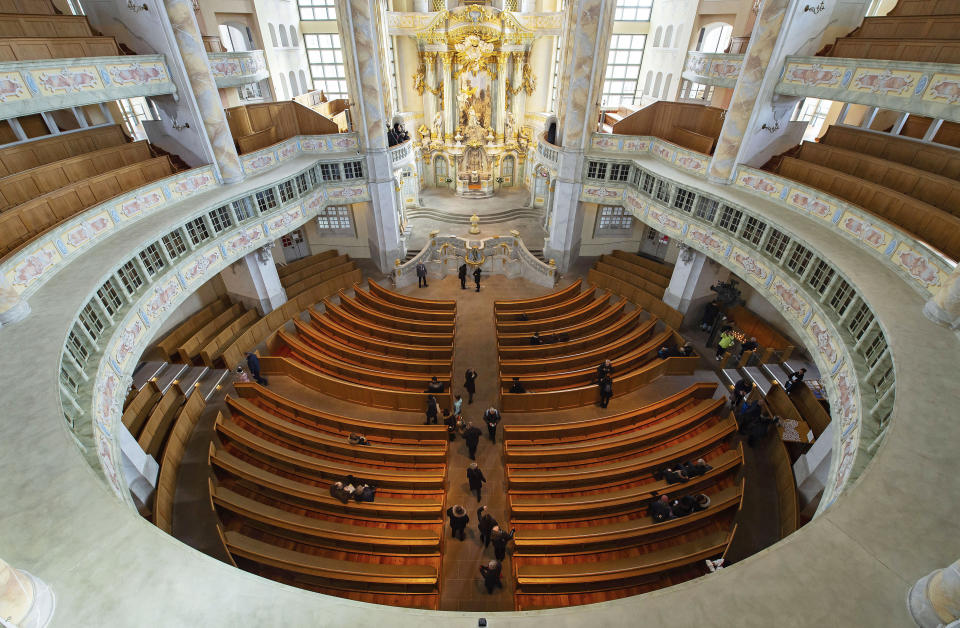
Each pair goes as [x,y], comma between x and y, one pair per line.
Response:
[500,103]
[693,274]
[254,281]
[358,20]
[195,60]
[430,80]
[586,32]
[943,308]
[449,98]
[25,600]
[12,307]
[934,601]
[519,101]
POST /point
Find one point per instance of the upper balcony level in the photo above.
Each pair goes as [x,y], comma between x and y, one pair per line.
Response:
[691,126]
[260,125]
[713,68]
[232,69]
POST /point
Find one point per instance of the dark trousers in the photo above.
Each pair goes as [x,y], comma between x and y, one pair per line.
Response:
[491,584]
[720,352]
[472,450]
[500,552]
[431,419]
[421,281]
[485,538]
[458,532]
[492,431]
[604,399]
[478,284]
[476,489]
[463,283]
[470,392]
[260,380]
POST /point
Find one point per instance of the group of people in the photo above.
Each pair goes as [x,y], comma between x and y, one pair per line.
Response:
[683,472]
[353,488]
[421,269]
[755,424]
[490,533]
[537,339]
[253,363]
[397,135]
[662,508]
[666,351]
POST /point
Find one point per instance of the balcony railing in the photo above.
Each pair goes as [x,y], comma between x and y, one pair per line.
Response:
[713,68]
[549,153]
[231,69]
[401,152]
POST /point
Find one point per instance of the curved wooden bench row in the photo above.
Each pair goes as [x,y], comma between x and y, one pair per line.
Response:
[565,319]
[359,340]
[191,347]
[646,434]
[38,152]
[52,26]
[599,336]
[931,158]
[549,311]
[298,435]
[607,317]
[519,435]
[373,302]
[30,48]
[546,480]
[408,301]
[521,305]
[31,219]
[289,268]
[155,430]
[663,269]
[638,358]
[328,534]
[531,509]
[173,451]
[275,454]
[318,266]
[641,298]
[629,533]
[365,312]
[325,363]
[228,468]
[610,574]
[925,7]
[138,410]
[909,27]
[317,419]
[259,331]
[169,344]
[211,352]
[939,228]
[311,281]
[622,269]
[591,358]
[347,319]
[29,184]
[331,346]
[810,409]
[788,500]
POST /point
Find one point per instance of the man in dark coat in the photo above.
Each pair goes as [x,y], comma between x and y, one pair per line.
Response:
[462,273]
[475,478]
[660,508]
[470,383]
[793,380]
[435,386]
[253,363]
[421,275]
[740,390]
[605,369]
[535,339]
[516,387]
[606,391]
[450,420]
[750,345]
[485,523]
[491,575]
[458,520]
[476,277]
[472,436]
[499,538]
[696,469]
[492,417]
[433,410]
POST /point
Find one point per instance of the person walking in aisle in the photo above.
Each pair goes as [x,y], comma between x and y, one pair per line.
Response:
[470,383]
[433,410]
[476,277]
[253,363]
[421,275]
[462,273]
[726,341]
[491,575]
[485,523]
[457,405]
[492,417]
[472,436]
[458,520]
[475,478]
[499,538]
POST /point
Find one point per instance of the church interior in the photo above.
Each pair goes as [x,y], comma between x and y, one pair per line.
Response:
[479,312]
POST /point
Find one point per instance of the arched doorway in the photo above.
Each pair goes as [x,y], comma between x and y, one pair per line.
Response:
[440,171]
[507,167]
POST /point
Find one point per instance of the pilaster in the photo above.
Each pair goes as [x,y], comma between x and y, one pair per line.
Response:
[254,281]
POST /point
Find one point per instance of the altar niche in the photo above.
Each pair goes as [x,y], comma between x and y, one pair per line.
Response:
[474,77]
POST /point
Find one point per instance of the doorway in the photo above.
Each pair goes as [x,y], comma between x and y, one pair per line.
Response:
[294,246]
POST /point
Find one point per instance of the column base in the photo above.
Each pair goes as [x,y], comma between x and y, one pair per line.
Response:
[19,311]
[44,603]
[940,316]
[918,604]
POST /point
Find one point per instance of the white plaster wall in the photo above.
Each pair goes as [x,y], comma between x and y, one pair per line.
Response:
[591,246]
[407,62]
[681,14]
[279,59]
[541,64]
[356,247]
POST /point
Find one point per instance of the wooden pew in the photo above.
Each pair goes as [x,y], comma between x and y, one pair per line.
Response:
[932,158]
[137,412]
[788,501]
[318,266]
[191,347]
[20,157]
[598,338]
[663,269]
[347,319]
[304,285]
[925,7]
[211,352]
[546,480]
[30,48]
[51,26]
[375,431]
[408,301]
[925,51]
[918,27]
[353,338]
[364,312]
[550,311]
[285,270]
[560,321]
[229,468]
[374,302]
[636,275]
[605,318]
[157,427]
[810,409]
[173,452]
[521,305]
[637,295]
[37,7]
[179,334]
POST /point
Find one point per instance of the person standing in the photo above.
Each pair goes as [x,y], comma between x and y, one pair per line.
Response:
[492,417]
[433,410]
[472,436]
[485,523]
[470,383]
[499,538]
[740,390]
[458,521]
[450,421]
[491,575]
[476,277]
[750,345]
[604,370]
[253,363]
[421,275]
[457,405]
[795,378]
[462,273]
[475,478]
[606,390]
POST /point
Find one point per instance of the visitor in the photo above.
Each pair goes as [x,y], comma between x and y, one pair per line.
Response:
[524,317]
[458,521]
[665,352]
[421,275]
[499,538]
[686,350]
[476,277]
[726,341]
[457,405]
[485,524]
[475,479]
[535,339]
[242,377]
[433,410]
[794,378]
[606,391]
[660,508]
[605,369]
[357,439]
[758,430]
[337,491]
[471,434]
[253,363]
[470,383]
[492,417]
[709,315]
[365,493]
[750,345]
[674,476]
[517,387]
[435,386]
[696,469]
[741,390]
[462,273]
[450,421]
[749,413]
[491,575]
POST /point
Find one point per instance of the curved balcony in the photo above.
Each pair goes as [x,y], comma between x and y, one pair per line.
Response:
[28,87]
[716,69]
[401,154]
[548,154]
[232,69]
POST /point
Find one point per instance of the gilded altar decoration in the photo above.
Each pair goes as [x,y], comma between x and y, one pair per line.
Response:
[474,52]
[419,77]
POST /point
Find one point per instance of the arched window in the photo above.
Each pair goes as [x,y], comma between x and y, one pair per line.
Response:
[303,83]
[294,40]
[714,37]
[656,37]
[440,171]
[666,87]
[646,83]
[668,36]
[273,35]
[293,85]
[506,170]
[656,85]
[283,36]
[283,87]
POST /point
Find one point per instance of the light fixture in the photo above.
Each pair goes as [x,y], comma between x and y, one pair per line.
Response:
[815,10]
[136,8]
[771,129]
[179,127]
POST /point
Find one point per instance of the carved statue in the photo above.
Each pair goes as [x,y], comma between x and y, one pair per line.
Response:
[438,126]
[509,127]
[424,133]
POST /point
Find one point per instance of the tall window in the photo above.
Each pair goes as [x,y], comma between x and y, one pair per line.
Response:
[613,220]
[317,10]
[813,111]
[326,64]
[556,77]
[623,69]
[335,219]
[714,37]
[394,84]
[135,111]
[633,10]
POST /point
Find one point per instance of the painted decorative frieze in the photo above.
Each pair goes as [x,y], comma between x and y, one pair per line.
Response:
[232,69]
[718,69]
